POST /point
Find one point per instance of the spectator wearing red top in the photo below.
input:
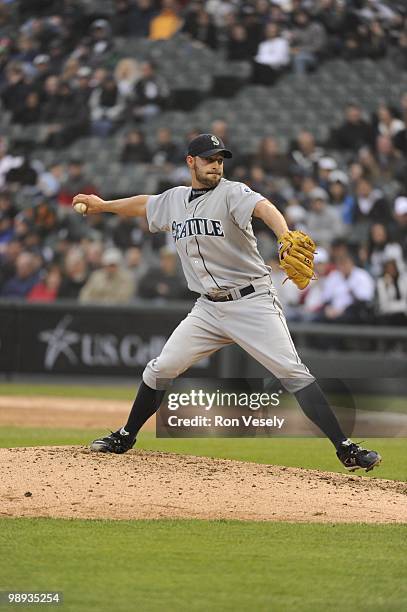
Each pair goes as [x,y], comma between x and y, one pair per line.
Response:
[47,289]
[77,182]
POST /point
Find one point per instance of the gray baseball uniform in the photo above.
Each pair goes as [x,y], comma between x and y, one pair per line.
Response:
[218,251]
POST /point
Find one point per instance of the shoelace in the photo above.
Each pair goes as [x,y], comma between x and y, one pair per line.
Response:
[355,447]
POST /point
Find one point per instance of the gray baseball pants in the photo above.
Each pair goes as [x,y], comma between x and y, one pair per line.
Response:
[254,322]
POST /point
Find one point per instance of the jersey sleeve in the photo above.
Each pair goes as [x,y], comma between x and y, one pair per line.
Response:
[158,212]
[242,200]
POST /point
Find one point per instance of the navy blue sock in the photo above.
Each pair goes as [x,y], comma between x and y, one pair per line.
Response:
[147,403]
[315,406]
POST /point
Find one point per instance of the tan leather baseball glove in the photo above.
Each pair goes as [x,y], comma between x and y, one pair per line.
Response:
[296,253]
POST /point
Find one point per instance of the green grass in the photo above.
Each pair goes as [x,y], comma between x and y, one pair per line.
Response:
[314,453]
[120,392]
[209,565]
[364,401]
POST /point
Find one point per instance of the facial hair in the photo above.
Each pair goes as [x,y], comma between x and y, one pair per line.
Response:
[208,180]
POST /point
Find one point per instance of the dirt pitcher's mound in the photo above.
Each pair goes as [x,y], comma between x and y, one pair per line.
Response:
[73,482]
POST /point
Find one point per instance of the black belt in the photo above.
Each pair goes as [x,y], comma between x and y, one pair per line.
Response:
[229,297]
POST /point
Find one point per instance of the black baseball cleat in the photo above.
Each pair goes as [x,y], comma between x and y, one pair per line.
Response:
[118,442]
[354,457]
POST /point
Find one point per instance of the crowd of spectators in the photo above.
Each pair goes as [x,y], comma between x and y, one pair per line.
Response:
[59,68]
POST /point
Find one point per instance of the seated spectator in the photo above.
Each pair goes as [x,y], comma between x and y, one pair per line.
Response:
[308,41]
[30,110]
[239,47]
[135,265]
[22,175]
[273,55]
[68,118]
[126,75]
[15,90]
[123,17]
[69,71]
[375,40]
[255,21]
[75,274]
[26,276]
[380,248]
[82,84]
[150,94]
[388,159]
[45,219]
[348,293]
[112,284]
[7,161]
[143,11]
[46,290]
[271,159]
[7,204]
[324,168]
[76,182]
[335,18]
[340,198]
[400,216]
[324,223]
[369,165]
[135,149]
[50,99]
[258,181]
[106,106]
[400,141]
[166,151]
[220,128]
[304,151]
[6,228]
[354,133]
[295,215]
[167,22]
[49,181]
[26,48]
[387,122]
[101,42]
[199,26]
[392,294]
[369,205]
[313,302]
[94,250]
[127,233]
[164,282]
[42,65]
[8,257]
[287,292]
[221,11]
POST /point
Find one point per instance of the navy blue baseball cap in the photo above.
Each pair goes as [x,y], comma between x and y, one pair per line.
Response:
[206,145]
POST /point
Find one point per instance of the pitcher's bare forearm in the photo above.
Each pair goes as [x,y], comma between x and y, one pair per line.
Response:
[271,216]
[135,206]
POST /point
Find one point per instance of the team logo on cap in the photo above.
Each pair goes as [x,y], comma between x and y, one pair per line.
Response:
[215,141]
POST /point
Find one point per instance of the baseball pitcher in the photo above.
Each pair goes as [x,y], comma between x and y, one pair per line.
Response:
[210,223]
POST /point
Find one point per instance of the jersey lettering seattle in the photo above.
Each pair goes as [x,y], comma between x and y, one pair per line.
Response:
[197,227]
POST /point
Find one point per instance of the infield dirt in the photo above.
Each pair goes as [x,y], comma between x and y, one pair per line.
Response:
[72,482]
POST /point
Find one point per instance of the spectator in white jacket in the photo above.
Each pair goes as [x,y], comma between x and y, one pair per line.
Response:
[273,55]
[107,106]
[348,293]
[391,290]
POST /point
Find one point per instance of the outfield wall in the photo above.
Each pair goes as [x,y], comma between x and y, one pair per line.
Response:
[72,339]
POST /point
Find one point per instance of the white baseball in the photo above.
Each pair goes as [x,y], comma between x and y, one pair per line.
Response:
[81,208]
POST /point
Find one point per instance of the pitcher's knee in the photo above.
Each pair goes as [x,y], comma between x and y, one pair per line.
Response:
[159,375]
[296,378]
